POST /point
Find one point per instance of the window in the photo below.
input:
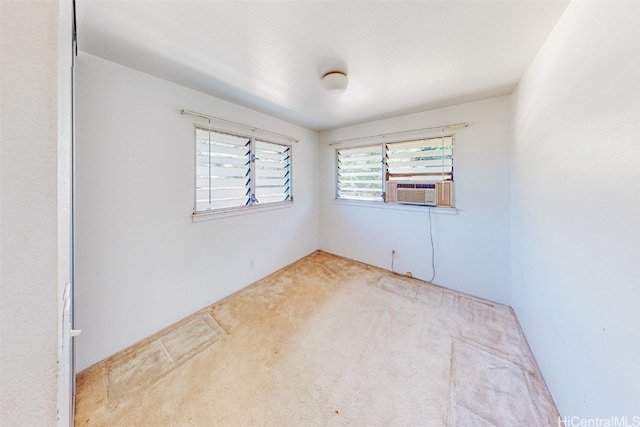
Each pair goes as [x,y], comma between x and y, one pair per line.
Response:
[360,173]
[273,172]
[363,172]
[235,171]
[423,160]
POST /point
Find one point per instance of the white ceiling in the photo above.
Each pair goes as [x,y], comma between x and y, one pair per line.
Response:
[400,56]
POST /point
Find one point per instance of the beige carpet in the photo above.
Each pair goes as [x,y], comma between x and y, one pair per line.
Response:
[326,341]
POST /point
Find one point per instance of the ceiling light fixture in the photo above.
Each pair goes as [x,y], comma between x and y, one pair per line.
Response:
[335,82]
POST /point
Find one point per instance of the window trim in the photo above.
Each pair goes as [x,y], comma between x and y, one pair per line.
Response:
[445,210]
[243,210]
[252,206]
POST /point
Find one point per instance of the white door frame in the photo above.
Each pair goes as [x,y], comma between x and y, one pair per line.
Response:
[66,55]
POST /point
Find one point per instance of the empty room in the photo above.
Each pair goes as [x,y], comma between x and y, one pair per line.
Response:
[368,213]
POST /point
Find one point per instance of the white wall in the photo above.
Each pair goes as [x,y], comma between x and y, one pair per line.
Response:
[576,209]
[28,213]
[472,247]
[141,263]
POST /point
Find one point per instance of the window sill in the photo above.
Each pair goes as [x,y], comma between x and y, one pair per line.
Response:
[226,213]
[399,206]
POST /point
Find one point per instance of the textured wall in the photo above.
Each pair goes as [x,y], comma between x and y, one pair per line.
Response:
[576,209]
[28,213]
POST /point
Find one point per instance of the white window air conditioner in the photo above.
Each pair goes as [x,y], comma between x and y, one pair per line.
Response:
[438,193]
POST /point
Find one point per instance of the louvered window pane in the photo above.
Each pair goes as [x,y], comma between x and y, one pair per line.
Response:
[360,173]
[234,171]
[424,160]
[272,172]
[223,170]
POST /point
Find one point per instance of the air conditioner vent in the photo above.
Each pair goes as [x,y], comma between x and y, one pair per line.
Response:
[439,193]
[417,196]
[415,185]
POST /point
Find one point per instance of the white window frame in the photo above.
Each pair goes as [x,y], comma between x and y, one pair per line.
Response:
[388,177]
[253,186]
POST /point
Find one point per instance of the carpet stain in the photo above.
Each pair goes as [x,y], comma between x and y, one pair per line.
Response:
[133,371]
[491,387]
[326,341]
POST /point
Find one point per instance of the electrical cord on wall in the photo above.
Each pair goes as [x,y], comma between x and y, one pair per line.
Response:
[393,257]
[433,250]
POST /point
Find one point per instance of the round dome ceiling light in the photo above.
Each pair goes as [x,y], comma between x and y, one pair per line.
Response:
[335,82]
